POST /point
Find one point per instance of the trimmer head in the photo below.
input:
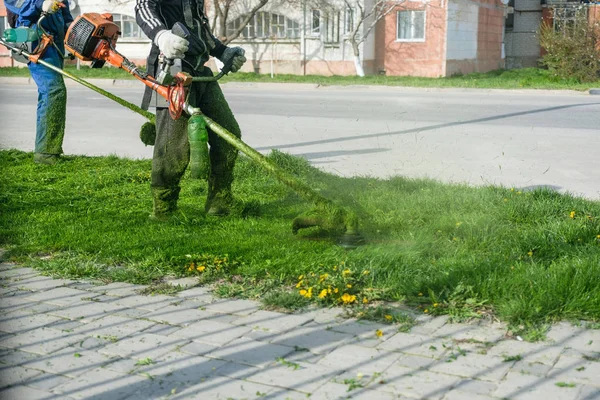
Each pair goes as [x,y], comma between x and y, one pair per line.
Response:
[333,219]
[351,241]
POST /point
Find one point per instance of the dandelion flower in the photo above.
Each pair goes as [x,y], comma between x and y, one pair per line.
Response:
[348,298]
[349,286]
[420,294]
[530,253]
[335,290]
[379,333]
[388,317]
[346,272]
[323,294]
[303,292]
[365,300]
[435,305]
[299,284]
[572,214]
[426,311]
[301,277]
[201,268]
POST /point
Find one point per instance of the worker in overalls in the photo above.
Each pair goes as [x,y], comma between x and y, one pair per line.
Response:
[52,93]
[171,149]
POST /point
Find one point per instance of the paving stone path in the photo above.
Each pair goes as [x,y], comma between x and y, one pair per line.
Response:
[65,339]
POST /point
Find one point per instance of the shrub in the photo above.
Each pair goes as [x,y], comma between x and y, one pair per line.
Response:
[572,46]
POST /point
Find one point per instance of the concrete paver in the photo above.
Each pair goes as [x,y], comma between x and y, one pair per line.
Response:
[75,340]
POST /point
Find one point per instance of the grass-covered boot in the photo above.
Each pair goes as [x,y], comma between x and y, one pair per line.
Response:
[46,159]
[164,202]
[219,204]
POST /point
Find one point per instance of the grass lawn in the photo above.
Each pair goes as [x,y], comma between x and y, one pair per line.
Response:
[526,257]
[528,78]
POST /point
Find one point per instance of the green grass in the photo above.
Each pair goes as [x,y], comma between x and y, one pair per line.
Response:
[527,78]
[448,249]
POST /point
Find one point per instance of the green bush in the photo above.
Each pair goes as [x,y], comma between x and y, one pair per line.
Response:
[572,47]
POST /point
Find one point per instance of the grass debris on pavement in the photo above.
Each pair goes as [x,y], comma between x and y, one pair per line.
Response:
[526,257]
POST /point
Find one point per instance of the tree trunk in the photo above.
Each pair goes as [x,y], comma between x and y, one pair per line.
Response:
[357,62]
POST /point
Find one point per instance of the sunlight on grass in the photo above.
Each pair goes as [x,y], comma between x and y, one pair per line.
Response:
[526,257]
[526,78]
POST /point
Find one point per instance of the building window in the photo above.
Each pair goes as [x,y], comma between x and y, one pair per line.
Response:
[348,20]
[2,25]
[411,26]
[266,25]
[128,27]
[315,24]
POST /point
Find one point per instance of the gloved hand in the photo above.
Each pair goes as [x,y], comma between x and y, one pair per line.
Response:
[171,45]
[235,56]
[52,6]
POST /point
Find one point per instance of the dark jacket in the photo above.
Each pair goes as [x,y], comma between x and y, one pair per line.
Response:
[154,16]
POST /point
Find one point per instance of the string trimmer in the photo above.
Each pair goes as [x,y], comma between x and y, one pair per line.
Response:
[93,37]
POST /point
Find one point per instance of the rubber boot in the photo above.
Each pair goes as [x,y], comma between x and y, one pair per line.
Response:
[46,159]
[219,204]
[164,202]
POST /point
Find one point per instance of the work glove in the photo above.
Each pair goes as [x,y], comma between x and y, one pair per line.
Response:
[171,45]
[235,57]
[52,6]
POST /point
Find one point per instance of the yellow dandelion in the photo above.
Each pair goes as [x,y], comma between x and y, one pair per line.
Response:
[335,267]
[201,268]
[299,284]
[379,333]
[420,294]
[309,293]
[301,277]
[323,294]
[598,237]
[335,290]
[365,272]
[435,305]
[348,298]
[426,311]
[388,317]
[530,253]
[572,214]
[512,189]
[349,286]
[519,192]
[346,272]
[303,292]
[365,300]
[329,290]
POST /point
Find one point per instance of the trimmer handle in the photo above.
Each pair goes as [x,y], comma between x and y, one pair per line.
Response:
[164,75]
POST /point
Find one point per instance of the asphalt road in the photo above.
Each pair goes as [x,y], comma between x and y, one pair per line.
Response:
[517,139]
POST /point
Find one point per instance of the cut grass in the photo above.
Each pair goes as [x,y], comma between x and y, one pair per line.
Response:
[448,249]
[527,78]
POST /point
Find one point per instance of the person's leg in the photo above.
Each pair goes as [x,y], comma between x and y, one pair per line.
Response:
[222,155]
[51,108]
[171,157]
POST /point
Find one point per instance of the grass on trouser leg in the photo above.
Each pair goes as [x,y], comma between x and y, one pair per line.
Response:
[527,257]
